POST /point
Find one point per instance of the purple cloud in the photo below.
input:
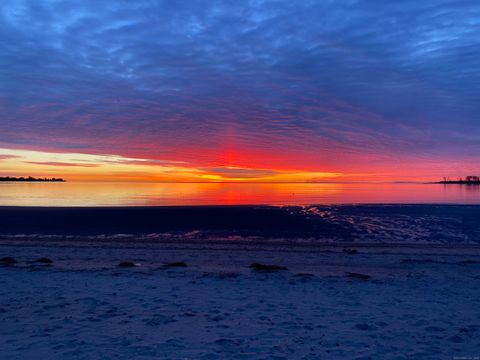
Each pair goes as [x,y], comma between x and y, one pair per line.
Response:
[56,163]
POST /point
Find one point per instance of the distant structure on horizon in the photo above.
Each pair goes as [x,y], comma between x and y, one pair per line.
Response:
[30,179]
[469,180]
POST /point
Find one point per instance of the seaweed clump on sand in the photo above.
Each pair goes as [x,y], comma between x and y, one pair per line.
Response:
[304,275]
[175,264]
[267,268]
[126,264]
[8,261]
[43,260]
[221,275]
[357,276]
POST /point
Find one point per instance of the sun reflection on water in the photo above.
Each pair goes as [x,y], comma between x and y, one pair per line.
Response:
[156,194]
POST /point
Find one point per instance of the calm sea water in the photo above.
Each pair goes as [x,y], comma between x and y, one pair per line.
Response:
[151,194]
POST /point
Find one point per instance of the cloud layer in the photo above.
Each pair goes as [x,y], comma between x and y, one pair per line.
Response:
[351,86]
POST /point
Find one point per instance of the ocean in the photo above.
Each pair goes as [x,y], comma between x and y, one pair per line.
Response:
[170,194]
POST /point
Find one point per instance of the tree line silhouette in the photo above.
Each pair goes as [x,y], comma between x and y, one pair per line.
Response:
[30,179]
[468,180]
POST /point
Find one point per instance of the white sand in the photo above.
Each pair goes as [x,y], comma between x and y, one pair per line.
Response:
[84,307]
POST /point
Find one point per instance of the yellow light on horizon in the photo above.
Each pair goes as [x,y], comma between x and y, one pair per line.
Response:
[90,167]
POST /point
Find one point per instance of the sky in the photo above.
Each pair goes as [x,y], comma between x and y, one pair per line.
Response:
[240,90]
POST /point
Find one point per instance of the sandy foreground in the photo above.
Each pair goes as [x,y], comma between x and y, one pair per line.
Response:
[420,303]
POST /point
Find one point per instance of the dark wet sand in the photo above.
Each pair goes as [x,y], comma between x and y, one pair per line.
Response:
[399,224]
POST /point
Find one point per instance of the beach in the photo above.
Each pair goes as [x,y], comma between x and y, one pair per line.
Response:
[261,179]
[194,295]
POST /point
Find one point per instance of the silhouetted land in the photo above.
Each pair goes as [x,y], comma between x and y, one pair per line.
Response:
[469,180]
[30,179]
[459,182]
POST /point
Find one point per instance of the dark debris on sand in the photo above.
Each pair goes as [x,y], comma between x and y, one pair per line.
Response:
[43,260]
[126,264]
[304,275]
[175,264]
[8,261]
[221,275]
[357,275]
[267,268]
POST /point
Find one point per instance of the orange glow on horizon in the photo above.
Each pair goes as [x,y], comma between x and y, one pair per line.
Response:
[86,167]
[235,167]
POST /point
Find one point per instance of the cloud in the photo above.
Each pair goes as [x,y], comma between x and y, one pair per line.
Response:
[278,84]
[62,164]
[226,173]
[7,157]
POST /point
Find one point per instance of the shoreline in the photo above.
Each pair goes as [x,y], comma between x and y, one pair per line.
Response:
[239,245]
[282,225]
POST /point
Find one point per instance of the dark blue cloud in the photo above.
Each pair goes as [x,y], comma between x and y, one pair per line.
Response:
[159,79]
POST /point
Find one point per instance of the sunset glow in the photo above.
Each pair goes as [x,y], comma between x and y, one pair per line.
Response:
[83,167]
[239,179]
[117,168]
[238,91]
